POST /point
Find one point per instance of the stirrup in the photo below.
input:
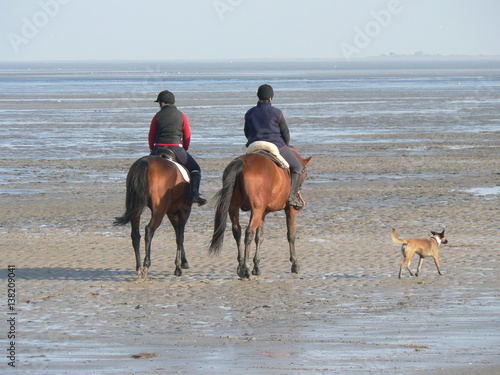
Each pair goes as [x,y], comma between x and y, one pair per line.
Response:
[295,203]
[200,200]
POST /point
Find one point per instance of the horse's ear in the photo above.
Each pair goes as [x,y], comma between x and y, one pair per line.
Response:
[306,161]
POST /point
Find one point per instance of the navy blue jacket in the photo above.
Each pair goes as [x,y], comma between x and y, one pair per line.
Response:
[266,123]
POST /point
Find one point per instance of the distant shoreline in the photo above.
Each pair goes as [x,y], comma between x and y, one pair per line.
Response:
[387,58]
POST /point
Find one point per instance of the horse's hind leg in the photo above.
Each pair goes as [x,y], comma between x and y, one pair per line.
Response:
[256,218]
[136,242]
[244,259]
[179,224]
[180,257]
[234,215]
[154,223]
[184,218]
[291,214]
[259,237]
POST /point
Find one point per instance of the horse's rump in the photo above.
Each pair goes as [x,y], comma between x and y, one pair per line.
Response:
[148,174]
[263,183]
[168,183]
[170,156]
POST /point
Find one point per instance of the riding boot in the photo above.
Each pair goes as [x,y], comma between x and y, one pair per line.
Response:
[294,199]
[195,186]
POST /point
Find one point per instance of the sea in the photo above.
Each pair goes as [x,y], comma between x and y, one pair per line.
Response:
[102,110]
[96,110]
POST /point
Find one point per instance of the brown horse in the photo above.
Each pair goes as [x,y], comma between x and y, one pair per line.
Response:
[254,182]
[158,183]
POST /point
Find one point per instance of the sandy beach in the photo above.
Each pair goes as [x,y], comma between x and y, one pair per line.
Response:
[80,309]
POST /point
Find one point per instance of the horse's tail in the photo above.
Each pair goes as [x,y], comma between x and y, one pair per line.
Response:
[223,197]
[137,192]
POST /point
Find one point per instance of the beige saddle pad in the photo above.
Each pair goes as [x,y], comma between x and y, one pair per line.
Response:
[267,146]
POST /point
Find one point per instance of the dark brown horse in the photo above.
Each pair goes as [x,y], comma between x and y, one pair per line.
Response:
[253,182]
[158,183]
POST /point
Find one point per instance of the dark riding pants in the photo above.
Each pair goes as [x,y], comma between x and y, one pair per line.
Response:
[292,160]
[183,157]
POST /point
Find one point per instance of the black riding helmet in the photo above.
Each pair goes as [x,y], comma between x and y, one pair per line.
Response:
[165,97]
[265,92]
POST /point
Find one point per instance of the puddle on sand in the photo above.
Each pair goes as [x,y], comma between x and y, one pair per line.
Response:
[487,192]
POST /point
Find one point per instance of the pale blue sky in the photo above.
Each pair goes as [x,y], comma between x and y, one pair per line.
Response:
[245,29]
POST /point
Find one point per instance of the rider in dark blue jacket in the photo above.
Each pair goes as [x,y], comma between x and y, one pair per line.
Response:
[266,123]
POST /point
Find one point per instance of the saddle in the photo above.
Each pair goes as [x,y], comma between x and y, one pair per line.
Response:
[168,154]
[270,150]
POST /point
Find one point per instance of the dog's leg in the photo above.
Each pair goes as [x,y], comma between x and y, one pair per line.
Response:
[403,250]
[436,261]
[409,269]
[420,261]
[408,254]
[406,264]
[403,265]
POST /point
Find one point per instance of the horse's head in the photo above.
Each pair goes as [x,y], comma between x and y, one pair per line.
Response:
[304,163]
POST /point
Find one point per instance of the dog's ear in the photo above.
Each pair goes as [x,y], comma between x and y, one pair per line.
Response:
[433,233]
[442,233]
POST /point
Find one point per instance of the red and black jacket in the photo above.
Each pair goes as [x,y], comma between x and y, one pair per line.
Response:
[169,127]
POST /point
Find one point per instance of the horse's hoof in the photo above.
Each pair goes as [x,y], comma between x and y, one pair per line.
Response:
[240,272]
[295,268]
[185,266]
[178,272]
[256,272]
[142,274]
[243,272]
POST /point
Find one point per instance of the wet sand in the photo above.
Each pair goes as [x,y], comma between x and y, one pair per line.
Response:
[81,310]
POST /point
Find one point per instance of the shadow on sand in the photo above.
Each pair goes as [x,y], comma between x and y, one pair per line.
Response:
[81,274]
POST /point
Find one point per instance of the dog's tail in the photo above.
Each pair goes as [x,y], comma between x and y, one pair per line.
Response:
[395,239]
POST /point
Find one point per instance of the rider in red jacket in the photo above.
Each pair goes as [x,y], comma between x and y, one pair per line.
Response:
[170,129]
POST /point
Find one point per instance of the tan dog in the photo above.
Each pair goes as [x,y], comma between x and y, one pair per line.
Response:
[424,247]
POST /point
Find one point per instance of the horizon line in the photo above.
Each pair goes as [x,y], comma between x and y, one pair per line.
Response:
[267,59]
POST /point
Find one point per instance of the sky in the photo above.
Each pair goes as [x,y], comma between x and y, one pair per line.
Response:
[245,29]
